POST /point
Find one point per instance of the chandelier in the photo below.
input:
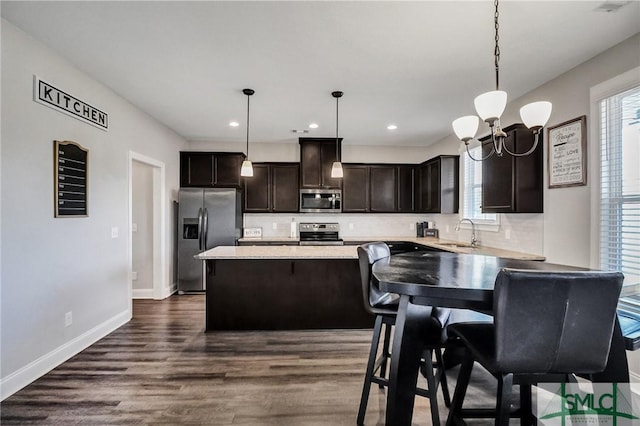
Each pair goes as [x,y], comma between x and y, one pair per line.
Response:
[491,105]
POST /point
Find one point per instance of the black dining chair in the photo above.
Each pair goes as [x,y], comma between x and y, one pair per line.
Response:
[547,326]
[385,308]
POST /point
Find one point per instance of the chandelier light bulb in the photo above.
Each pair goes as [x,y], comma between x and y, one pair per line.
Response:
[466,127]
[536,114]
[491,105]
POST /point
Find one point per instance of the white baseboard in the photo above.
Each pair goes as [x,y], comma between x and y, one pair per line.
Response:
[41,366]
[142,293]
[168,291]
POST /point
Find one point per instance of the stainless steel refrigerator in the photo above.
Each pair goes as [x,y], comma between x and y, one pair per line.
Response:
[206,218]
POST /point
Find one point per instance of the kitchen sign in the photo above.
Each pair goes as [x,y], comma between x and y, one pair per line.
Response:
[568,153]
[46,94]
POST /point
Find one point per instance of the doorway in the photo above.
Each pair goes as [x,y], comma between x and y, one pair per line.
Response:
[147,248]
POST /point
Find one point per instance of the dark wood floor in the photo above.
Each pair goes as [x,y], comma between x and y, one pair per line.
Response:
[161,368]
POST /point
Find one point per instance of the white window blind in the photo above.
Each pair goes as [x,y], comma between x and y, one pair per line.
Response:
[620,184]
[472,201]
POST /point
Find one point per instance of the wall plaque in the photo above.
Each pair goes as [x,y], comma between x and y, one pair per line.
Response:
[44,93]
[568,153]
[70,179]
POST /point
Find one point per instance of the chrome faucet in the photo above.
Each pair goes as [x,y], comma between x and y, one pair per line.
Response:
[474,240]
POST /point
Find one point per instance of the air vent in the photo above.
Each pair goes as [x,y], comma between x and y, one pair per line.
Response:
[299,131]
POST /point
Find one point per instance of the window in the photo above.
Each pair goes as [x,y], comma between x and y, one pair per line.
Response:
[473,190]
[619,134]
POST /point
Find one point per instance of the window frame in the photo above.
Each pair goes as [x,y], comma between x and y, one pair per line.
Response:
[599,92]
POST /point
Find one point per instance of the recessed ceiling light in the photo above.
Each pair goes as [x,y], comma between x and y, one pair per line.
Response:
[392,127]
[234,124]
[313,126]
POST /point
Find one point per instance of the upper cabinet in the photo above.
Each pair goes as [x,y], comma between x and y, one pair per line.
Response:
[272,189]
[439,186]
[513,184]
[316,158]
[378,188]
[210,169]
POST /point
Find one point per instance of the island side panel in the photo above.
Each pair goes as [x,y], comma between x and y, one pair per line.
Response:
[284,294]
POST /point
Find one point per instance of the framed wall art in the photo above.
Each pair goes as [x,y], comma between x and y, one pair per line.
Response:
[567,153]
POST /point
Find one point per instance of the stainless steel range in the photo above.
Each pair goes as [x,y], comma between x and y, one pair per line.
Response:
[320,234]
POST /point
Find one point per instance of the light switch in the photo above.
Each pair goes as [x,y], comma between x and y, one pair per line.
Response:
[114,232]
[134,227]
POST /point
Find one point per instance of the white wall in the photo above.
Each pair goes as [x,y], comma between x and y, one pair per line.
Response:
[142,236]
[53,266]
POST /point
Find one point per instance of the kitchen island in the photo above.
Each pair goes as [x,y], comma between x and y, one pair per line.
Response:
[285,287]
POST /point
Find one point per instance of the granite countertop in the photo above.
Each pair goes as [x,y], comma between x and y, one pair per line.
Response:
[348,251]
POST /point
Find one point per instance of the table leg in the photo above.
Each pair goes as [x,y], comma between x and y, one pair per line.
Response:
[408,341]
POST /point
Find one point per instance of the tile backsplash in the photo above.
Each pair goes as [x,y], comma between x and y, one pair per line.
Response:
[525,231]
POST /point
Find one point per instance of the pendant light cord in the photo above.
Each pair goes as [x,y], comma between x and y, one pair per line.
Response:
[248,97]
[337,148]
[496,50]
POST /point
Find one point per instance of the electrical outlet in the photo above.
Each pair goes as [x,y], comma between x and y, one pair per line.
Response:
[412,225]
[134,276]
[351,226]
[68,319]
[507,234]
[114,232]
[447,228]
[134,227]
[274,226]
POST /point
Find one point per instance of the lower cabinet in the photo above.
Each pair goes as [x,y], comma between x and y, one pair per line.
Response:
[284,294]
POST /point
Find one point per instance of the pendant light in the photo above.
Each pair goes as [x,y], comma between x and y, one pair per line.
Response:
[491,105]
[336,167]
[247,168]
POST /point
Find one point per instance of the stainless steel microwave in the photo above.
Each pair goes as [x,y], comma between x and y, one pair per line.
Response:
[320,201]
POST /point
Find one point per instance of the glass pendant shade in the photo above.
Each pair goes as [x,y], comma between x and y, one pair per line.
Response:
[536,114]
[490,105]
[247,169]
[336,170]
[466,127]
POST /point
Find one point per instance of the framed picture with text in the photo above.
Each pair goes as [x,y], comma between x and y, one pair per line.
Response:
[567,153]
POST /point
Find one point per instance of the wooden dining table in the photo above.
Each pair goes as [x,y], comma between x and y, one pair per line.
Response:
[426,279]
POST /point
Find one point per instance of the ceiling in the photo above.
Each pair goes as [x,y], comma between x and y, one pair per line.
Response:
[415,64]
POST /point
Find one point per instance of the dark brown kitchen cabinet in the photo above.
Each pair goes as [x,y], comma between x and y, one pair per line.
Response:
[408,185]
[272,189]
[383,188]
[355,188]
[513,184]
[370,188]
[210,169]
[316,158]
[439,185]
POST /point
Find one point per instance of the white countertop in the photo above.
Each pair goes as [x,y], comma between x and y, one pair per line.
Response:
[347,251]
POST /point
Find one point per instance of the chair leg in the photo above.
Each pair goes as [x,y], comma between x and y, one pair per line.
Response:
[461,389]
[385,352]
[432,387]
[525,405]
[503,403]
[373,352]
[443,378]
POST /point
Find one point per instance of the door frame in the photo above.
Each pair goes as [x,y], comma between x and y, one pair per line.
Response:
[159,224]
